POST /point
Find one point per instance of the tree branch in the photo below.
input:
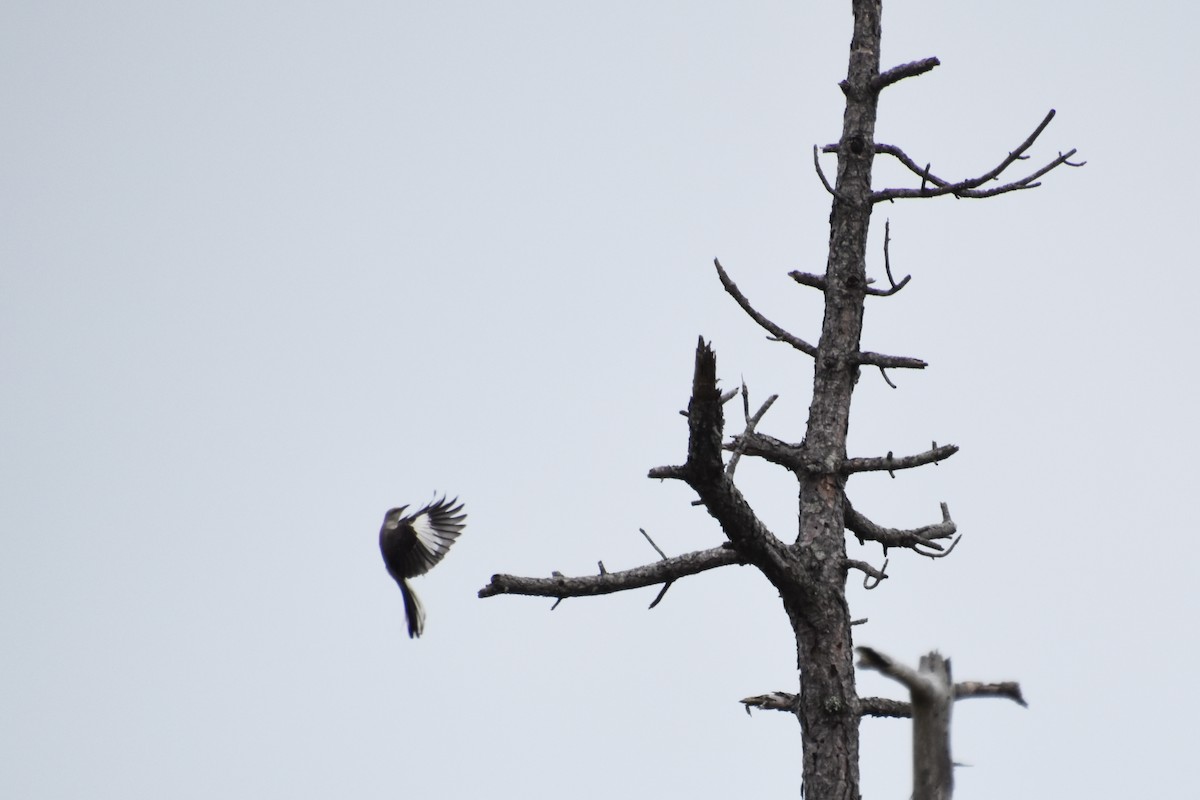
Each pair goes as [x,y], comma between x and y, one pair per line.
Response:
[913,539]
[968,188]
[666,570]
[821,173]
[884,707]
[808,279]
[887,266]
[777,332]
[768,448]
[889,463]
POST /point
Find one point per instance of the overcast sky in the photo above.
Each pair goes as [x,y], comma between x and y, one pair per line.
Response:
[269,269]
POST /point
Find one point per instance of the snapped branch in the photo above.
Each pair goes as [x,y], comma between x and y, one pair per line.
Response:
[899,73]
[705,472]
[882,361]
[1010,690]
[774,701]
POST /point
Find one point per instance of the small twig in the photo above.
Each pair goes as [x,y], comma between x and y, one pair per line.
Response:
[751,424]
[943,553]
[886,379]
[657,549]
[939,552]
[887,242]
[887,265]
[820,173]
[869,573]
[661,593]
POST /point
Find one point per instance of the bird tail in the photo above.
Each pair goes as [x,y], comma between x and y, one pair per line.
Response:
[412,611]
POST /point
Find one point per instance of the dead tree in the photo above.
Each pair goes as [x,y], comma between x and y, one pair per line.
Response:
[811,569]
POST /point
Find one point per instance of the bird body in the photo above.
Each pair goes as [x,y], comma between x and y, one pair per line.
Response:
[413,544]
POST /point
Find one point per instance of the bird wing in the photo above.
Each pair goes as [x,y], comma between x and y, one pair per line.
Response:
[436,526]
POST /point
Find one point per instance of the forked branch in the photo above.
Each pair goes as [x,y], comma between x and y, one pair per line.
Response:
[887,267]
[751,423]
[933,186]
[922,540]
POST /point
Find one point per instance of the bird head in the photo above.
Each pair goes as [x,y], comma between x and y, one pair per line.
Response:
[392,518]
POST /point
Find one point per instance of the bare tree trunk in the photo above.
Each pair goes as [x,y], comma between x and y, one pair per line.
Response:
[819,615]
[933,694]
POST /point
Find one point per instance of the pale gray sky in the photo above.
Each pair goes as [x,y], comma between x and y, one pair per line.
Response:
[271,268]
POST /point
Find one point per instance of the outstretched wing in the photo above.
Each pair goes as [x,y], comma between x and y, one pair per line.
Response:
[435,527]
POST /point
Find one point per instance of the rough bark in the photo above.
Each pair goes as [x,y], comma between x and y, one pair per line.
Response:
[820,617]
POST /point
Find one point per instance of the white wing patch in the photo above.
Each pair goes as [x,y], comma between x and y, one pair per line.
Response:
[429,538]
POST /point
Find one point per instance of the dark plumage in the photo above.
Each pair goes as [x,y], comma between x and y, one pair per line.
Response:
[413,544]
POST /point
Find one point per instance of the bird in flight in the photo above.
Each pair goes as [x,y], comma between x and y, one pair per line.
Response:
[413,544]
